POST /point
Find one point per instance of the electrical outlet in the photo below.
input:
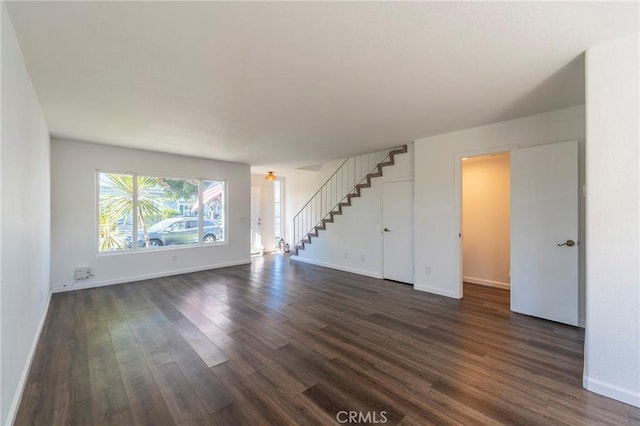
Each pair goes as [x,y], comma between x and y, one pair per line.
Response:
[82,272]
[362,258]
[427,269]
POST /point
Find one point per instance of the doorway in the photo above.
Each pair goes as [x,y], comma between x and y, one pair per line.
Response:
[486,220]
[544,251]
[256,220]
[397,231]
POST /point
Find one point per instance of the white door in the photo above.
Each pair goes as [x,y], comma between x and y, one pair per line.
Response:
[256,221]
[397,231]
[544,232]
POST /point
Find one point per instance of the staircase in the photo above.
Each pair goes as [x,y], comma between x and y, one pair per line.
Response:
[353,175]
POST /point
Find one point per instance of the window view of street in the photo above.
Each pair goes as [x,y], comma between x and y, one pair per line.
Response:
[165,211]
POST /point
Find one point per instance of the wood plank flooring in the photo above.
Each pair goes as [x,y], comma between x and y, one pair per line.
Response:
[280,343]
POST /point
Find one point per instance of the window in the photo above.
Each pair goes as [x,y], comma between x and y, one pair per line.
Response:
[277,226]
[159,211]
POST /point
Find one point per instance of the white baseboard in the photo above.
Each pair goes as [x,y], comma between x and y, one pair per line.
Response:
[611,391]
[15,404]
[582,323]
[435,290]
[146,276]
[488,283]
[338,267]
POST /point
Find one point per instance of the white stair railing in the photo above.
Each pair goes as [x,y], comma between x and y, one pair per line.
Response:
[341,183]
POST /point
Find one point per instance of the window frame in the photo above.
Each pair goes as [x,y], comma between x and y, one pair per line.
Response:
[280,229]
[134,225]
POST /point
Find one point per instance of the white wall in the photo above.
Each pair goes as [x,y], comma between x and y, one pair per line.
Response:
[486,185]
[74,204]
[612,347]
[24,224]
[299,187]
[353,242]
[437,216]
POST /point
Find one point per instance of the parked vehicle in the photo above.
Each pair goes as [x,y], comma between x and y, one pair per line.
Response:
[180,230]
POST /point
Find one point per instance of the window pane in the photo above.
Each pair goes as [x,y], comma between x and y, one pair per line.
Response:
[277,213]
[164,211]
[115,198]
[213,211]
[165,207]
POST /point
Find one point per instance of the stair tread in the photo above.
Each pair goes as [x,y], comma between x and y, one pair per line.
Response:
[390,161]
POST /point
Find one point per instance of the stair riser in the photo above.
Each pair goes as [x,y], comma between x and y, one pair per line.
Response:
[390,161]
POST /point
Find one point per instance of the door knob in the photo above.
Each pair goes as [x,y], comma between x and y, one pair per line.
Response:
[386,230]
[568,243]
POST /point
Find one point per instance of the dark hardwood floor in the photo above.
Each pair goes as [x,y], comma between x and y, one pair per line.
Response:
[289,343]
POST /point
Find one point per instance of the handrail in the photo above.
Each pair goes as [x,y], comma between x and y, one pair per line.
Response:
[344,181]
[322,186]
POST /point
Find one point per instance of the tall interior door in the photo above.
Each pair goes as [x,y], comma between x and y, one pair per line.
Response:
[397,234]
[256,220]
[544,231]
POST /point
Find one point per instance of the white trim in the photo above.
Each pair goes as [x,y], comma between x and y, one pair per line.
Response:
[170,247]
[457,208]
[582,323]
[147,276]
[339,268]
[134,220]
[627,396]
[488,283]
[436,290]
[15,404]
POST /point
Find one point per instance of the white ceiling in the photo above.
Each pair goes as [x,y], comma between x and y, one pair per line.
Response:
[295,84]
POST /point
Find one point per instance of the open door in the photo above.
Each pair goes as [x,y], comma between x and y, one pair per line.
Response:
[544,232]
[256,220]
